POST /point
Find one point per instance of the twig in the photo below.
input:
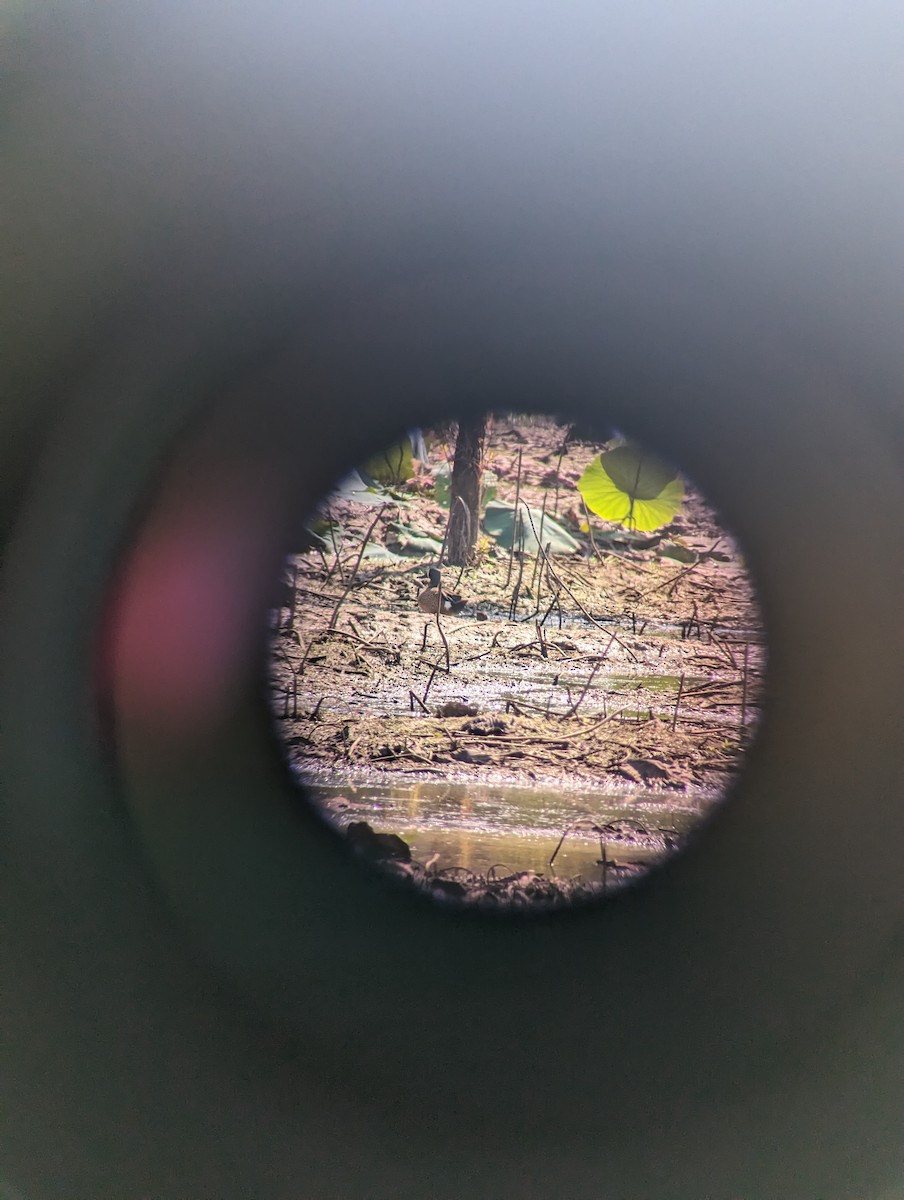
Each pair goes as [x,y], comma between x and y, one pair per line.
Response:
[562,450]
[538,559]
[337,563]
[351,580]
[552,604]
[678,701]
[514,517]
[724,648]
[593,545]
[744,687]
[673,579]
[439,626]
[566,588]
[540,639]
[429,684]
[574,708]
[513,605]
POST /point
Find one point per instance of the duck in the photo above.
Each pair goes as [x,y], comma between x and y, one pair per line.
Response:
[433,599]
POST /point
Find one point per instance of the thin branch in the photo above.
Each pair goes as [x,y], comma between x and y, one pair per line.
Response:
[354,573]
[514,517]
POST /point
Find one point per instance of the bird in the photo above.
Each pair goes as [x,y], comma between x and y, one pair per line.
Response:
[433,599]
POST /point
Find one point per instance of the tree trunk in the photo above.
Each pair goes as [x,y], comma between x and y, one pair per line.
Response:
[464,492]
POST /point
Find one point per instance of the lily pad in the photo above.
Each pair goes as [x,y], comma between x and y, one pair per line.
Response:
[632,487]
[501,523]
[380,554]
[408,540]
[354,488]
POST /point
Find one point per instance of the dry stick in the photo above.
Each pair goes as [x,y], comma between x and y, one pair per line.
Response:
[541,640]
[744,688]
[429,685]
[562,450]
[678,701]
[442,549]
[555,575]
[355,630]
[304,658]
[673,579]
[593,545]
[355,637]
[724,648]
[293,690]
[337,562]
[326,565]
[513,605]
[552,857]
[351,580]
[552,604]
[483,654]
[574,708]
[539,558]
[515,513]
[439,626]
[415,699]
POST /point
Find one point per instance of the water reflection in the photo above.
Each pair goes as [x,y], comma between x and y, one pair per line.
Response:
[479,827]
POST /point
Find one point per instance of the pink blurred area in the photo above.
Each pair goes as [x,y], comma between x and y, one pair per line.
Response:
[183,612]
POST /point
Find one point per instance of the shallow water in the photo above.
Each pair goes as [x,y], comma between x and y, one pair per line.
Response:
[514,829]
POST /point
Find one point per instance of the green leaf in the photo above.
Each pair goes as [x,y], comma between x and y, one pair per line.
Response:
[500,522]
[408,540]
[632,487]
[354,488]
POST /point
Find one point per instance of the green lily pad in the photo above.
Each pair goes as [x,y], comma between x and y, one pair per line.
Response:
[408,540]
[632,487]
[500,522]
[354,488]
[380,554]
